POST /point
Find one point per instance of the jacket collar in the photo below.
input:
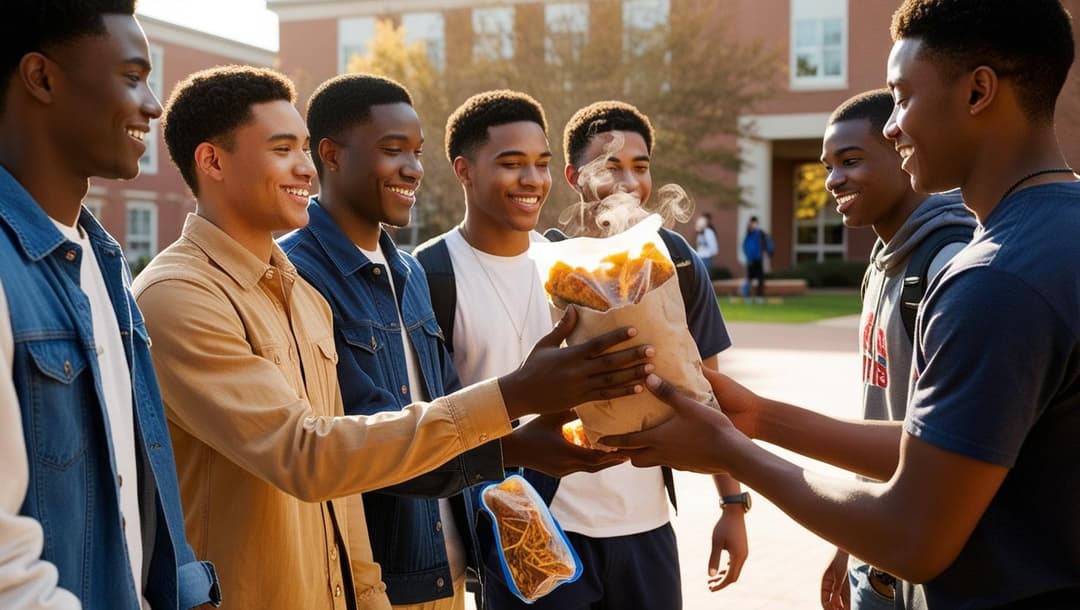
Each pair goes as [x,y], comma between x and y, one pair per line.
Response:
[234,259]
[341,250]
[33,230]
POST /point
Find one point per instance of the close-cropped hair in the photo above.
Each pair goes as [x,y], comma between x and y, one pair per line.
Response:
[602,117]
[1029,42]
[209,106]
[30,26]
[468,126]
[875,106]
[344,101]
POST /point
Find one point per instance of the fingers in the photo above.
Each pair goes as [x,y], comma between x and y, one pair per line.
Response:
[671,394]
[601,343]
[562,329]
[628,443]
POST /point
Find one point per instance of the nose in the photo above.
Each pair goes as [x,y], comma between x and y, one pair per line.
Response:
[534,175]
[306,167]
[151,107]
[413,169]
[834,179]
[891,131]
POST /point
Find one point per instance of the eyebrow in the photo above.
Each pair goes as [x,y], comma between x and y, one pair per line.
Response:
[644,158]
[142,62]
[842,151]
[397,136]
[519,153]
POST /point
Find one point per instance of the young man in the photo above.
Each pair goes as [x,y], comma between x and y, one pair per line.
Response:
[756,244]
[978,507]
[245,352]
[620,515]
[917,235]
[89,507]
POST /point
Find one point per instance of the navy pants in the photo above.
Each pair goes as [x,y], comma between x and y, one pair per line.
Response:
[637,572]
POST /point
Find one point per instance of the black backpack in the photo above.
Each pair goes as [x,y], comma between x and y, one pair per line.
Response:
[915,276]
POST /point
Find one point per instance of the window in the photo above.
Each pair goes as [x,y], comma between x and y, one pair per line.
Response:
[430,29]
[142,222]
[493,33]
[819,228]
[354,34]
[567,31]
[818,44]
[148,163]
[95,206]
[642,19]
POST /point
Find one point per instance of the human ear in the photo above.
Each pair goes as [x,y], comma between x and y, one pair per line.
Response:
[983,85]
[327,151]
[208,161]
[572,174]
[36,74]
[462,170]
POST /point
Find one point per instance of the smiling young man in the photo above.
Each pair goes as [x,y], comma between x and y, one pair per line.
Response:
[620,516]
[917,235]
[976,507]
[369,143]
[245,352]
[495,306]
[90,512]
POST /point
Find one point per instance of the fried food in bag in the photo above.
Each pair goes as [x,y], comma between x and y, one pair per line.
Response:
[625,280]
[535,555]
[574,433]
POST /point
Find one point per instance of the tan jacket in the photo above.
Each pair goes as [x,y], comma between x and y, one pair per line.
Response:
[245,356]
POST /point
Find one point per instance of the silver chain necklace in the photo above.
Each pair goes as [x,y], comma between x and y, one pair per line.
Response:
[506,309]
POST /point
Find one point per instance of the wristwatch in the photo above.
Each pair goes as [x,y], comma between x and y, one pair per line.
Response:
[743,498]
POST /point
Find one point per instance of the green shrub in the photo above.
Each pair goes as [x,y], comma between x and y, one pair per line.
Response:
[827,274]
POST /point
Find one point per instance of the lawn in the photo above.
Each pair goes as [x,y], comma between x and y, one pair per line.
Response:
[815,306]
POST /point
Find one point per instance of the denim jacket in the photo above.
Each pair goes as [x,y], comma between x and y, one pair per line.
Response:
[73,489]
[403,520]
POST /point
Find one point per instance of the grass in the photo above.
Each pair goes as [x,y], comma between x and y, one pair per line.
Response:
[808,308]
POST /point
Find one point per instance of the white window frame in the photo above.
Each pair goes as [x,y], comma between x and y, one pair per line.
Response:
[148,163]
[826,216]
[642,16]
[96,205]
[816,14]
[493,24]
[354,36]
[568,20]
[151,238]
[430,29]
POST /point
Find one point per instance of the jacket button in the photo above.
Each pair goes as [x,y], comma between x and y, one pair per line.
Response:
[483,438]
[440,583]
[120,480]
[404,390]
[333,552]
[438,526]
[377,271]
[373,343]
[67,367]
[70,255]
[269,274]
[337,590]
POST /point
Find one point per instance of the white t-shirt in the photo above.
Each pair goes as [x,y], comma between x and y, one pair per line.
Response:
[617,501]
[455,548]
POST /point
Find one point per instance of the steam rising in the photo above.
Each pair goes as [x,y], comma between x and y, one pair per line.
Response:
[619,210]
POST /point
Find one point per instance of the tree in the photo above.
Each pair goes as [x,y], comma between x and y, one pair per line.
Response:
[690,73]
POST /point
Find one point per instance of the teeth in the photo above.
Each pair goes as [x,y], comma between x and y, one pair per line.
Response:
[527,200]
[135,133]
[402,191]
[842,199]
[299,192]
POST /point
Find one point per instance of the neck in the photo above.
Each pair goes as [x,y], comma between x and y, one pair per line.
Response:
[1006,162]
[257,241]
[489,237]
[57,189]
[886,227]
[363,232]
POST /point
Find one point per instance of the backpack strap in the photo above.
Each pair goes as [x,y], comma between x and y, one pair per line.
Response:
[915,276]
[434,255]
[683,257]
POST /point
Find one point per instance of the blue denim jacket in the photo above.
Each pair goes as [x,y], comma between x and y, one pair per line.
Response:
[403,520]
[73,489]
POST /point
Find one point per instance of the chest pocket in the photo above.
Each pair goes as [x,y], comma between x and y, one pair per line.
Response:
[62,401]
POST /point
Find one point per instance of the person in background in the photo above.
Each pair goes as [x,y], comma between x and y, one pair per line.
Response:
[756,245]
[706,245]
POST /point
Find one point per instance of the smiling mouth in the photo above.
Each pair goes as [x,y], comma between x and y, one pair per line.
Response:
[295,191]
[843,202]
[404,192]
[137,134]
[528,201]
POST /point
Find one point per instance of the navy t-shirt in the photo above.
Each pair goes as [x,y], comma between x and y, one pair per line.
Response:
[998,380]
[703,317]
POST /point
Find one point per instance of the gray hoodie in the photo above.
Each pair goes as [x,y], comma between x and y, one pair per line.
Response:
[884,344]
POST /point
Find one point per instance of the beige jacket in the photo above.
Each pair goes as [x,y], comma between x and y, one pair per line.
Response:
[245,356]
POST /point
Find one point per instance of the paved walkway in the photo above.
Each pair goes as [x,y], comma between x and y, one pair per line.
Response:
[813,365]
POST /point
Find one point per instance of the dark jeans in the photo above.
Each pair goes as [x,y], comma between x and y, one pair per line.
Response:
[755,270]
[637,572]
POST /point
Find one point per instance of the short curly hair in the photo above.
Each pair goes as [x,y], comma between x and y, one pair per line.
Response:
[1029,42]
[209,105]
[346,100]
[468,126]
[32,26]
[602,117]
[875,106]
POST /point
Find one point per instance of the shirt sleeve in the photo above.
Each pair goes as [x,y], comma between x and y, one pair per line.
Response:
[217,389]
[989,360]
[26,581]
[703,316]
